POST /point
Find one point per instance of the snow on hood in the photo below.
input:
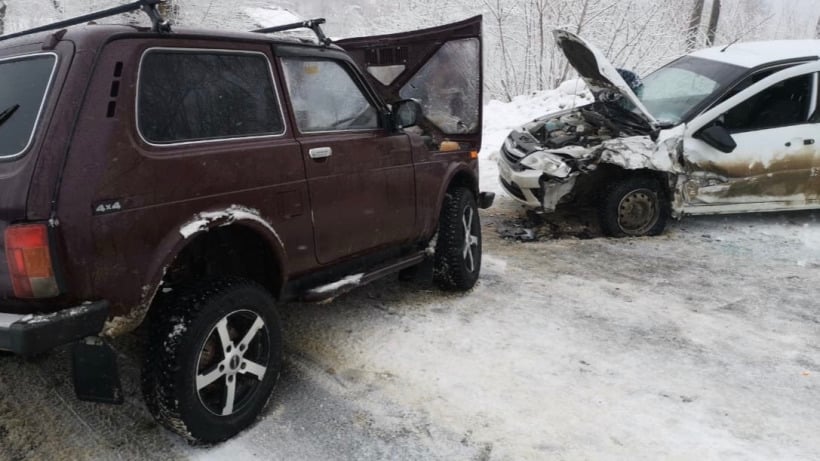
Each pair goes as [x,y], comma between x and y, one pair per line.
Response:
[595,69]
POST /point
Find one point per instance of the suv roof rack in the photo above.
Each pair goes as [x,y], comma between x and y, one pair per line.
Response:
[313,24]
[159,24]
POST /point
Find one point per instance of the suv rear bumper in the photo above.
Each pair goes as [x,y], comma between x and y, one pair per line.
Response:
[29,335]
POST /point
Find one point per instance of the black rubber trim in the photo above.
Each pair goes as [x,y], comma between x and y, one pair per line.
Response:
[486,200]
[31,336]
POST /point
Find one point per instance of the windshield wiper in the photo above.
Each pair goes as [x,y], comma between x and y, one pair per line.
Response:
[6,114]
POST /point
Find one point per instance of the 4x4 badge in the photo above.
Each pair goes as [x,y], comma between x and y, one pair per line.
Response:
[107,207]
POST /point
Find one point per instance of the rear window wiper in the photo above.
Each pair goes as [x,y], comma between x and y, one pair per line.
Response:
[6,114]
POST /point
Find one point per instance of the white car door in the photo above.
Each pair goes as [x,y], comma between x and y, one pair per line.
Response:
[775,164]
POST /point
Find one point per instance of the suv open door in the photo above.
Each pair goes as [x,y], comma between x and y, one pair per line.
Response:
[440,67]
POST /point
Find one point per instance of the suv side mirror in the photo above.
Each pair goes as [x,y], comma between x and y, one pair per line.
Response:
[406,113]
[718,137]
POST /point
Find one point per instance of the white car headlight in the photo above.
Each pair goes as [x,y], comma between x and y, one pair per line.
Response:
[550,164]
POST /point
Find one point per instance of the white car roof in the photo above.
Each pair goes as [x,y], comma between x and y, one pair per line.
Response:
[753,54]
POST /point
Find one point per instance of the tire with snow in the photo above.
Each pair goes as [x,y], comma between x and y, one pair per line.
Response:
[457,261]
[633,207]
[213,358]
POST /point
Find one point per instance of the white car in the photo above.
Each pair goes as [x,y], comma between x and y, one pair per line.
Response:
[722,130]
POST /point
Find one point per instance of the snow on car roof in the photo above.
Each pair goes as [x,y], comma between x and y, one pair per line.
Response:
[753,54]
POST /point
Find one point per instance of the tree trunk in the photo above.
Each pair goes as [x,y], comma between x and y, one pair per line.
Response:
[541,45]
[714,19]
[694,25]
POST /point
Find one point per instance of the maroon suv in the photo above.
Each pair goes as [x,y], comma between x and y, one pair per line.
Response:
[190,180]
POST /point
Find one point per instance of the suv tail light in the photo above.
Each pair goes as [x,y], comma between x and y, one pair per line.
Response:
[29,258]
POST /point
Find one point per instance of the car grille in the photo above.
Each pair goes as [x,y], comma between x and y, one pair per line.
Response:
[512,159]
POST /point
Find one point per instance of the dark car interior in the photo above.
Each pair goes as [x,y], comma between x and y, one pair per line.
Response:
[783,104]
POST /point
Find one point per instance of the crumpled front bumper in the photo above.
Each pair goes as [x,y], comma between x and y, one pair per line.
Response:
[534,188]
[29,335]
[522,185]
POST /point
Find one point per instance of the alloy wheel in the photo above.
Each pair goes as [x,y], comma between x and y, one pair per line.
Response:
[470,239]
[232,362]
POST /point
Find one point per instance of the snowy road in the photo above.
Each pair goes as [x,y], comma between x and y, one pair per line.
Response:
[700,344]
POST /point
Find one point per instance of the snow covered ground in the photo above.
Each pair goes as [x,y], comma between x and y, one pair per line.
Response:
[699,344]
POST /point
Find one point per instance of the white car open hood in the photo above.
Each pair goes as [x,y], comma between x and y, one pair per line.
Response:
[599,74]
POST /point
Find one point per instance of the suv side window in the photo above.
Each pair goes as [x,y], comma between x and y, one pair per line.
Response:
[198,95]
[325,97]
[782,104]
[24,84]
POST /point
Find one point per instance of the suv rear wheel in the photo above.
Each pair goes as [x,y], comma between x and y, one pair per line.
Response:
[458,249]
[213,359]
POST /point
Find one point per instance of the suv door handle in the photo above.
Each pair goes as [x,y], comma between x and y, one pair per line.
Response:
[808,142]
[320,153]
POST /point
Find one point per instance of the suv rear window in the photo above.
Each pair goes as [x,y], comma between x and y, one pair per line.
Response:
[23,86]
[187,95]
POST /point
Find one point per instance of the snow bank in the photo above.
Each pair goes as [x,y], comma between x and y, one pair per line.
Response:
[271,17]
[502,117]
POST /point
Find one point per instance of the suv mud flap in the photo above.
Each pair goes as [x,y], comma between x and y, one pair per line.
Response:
[95,373]
[30,335]
[486,200]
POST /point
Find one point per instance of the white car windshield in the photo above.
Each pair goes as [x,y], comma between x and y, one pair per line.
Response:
[672,92]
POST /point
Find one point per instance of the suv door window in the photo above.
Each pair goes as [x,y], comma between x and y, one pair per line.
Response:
[197,95]
[449,87]
[325,97]
[782,104]
[23,85]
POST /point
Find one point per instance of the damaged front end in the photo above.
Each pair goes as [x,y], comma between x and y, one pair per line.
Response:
[555,158]
[541,162]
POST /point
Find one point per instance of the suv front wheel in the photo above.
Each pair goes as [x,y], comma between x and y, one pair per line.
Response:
[458,249]
[213,359]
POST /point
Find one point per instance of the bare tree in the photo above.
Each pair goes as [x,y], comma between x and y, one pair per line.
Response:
[501,11]
[694,25]
[578,28]
[520,53]
[169,9]
[540,7]
[714,20]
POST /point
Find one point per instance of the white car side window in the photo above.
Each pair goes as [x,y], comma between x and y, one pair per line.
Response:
[782,104]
